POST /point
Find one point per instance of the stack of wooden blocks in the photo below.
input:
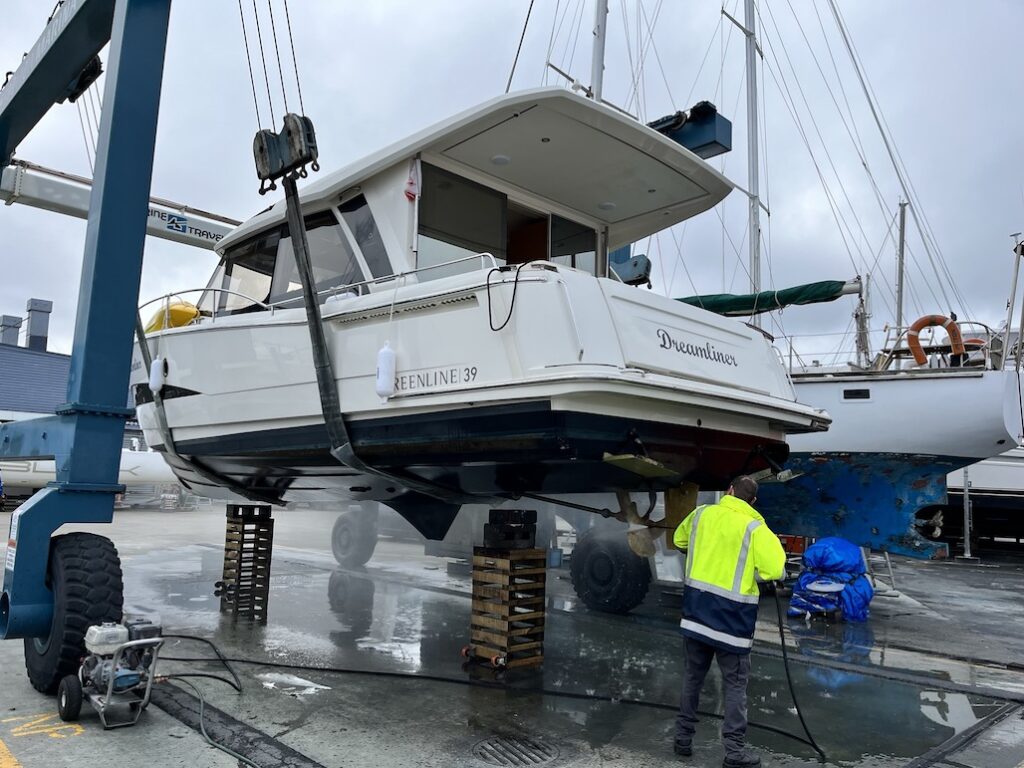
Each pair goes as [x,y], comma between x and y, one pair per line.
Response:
[507,624]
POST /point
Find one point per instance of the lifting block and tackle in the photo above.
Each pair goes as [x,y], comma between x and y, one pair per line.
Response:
[244,590]
[508,607]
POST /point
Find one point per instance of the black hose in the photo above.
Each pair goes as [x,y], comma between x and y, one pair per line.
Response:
[501,687]
[202,725]
[789,680]
[237,685]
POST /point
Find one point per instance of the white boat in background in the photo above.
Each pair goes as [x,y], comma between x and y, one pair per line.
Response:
[138,468]
[477,251]
[996,498]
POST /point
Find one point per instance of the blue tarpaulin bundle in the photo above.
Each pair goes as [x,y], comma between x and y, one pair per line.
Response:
[832,561]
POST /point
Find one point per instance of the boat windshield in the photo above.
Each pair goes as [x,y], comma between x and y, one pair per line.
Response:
[261,270]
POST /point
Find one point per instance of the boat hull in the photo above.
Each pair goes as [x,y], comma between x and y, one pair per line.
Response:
[883,463]
[871,499]
[490,452]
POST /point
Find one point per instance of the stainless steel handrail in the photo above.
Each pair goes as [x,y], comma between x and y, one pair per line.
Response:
[179,294]
[335,290]
[399,275]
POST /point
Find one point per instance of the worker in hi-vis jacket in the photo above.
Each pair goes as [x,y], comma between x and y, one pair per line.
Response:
[726,544]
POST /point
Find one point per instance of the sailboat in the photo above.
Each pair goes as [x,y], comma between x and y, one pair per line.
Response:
[915,413]
[482,347]
[901,421]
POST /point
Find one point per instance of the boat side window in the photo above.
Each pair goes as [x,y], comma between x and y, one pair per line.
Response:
[249,273]
[357,215]
[574,245]
[856,394]
[330,255]
[458,218]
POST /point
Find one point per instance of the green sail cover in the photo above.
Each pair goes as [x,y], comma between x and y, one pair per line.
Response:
[741,305]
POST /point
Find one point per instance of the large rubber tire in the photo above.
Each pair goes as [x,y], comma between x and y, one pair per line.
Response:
[606,575]
[85,577]
[354,538]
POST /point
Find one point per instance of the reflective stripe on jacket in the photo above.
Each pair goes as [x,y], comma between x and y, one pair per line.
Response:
[726,544]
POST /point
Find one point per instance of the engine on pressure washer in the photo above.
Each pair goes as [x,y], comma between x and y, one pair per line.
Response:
[102,642]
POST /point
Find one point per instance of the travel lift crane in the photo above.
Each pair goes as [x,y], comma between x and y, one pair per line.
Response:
[85,435]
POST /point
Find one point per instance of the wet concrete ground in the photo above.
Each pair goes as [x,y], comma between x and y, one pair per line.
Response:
[935,664]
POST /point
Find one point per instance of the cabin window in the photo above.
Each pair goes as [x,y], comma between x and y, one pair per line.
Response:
[249,273]
[263,268]
[458,218]
[359,219]
[330,256]
[856,394]
[574,245]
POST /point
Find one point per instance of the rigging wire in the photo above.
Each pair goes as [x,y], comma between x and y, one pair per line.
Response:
[898,167]
[519,48]
[858,146]
[295,61]
[556,27]
[248,60]
[85,138]
[575,38]
[817,131]
[277,52]
[263,56]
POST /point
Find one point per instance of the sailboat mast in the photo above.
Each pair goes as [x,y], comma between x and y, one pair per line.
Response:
[900,267]
[597,57]
[753,175]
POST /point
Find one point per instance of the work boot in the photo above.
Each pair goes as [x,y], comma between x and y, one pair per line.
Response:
[745,759]
[684,748]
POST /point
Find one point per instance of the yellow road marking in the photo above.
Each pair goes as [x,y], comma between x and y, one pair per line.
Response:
[39,725]
[7,760]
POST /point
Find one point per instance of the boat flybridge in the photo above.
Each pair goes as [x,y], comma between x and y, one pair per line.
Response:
[481,347]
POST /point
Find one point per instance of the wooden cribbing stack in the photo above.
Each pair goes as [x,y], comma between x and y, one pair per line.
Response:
[509,572]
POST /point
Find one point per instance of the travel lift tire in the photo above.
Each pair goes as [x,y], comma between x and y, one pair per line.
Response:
[84,575]
[354,537]
[606,574]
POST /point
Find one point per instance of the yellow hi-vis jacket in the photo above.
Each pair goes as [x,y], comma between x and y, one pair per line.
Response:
[726,544]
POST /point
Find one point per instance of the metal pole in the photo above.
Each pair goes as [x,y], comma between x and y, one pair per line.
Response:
[899,274]
[967,515]
[753,172]
[597,60]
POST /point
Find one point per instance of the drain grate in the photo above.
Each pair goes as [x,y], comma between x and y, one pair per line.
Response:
[504,751]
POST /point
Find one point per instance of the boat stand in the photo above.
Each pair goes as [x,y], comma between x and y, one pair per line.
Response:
[509,580]
[244,590]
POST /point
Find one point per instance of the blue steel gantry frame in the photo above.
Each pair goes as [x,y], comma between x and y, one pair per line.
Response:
[85,435]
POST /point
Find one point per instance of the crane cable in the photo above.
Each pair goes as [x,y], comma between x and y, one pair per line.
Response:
[274,40]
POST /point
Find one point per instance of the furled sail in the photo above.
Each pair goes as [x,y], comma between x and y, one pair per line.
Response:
[742,305]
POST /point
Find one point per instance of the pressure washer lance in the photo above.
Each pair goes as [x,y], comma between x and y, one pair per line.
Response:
[789,678]
[116,676]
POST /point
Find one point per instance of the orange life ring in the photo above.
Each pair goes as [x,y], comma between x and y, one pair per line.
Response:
[956,341]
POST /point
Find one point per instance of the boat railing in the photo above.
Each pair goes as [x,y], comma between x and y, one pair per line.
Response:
[358,288]
[168,297]
[895,348]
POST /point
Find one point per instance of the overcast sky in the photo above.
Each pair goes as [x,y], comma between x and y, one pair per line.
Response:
[947,76]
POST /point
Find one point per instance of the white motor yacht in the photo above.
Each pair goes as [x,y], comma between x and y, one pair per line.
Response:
[475,255]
